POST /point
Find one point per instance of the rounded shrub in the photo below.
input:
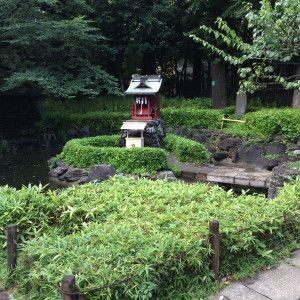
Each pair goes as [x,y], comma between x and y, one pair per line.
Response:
[84,153]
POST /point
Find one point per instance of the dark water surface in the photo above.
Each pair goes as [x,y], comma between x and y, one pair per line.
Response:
[25,168]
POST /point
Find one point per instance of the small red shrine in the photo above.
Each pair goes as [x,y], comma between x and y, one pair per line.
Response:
[145,90]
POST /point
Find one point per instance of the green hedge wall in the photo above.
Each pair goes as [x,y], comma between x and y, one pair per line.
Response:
[172,117]
[192,118]
[64,121]
[185,149]
[84,153]
[274,121]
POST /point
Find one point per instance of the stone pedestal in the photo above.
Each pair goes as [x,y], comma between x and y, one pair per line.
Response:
[241,104]
[153,134]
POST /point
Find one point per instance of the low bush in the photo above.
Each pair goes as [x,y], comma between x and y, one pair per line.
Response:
[185,149]
[84,153]
[192,118]
[102,233]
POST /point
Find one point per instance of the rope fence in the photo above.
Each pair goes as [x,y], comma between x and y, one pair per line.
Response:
[68,288]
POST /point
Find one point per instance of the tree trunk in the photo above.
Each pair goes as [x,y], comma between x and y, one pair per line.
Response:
[197,68]
[219,91]
[296,96]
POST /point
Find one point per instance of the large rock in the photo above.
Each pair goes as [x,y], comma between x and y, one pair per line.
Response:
[264,163]
[276,148]
[280,174]
[293,147]
[251,153]
[211,149]
[60,170]
[229,143]
[101,172]
[74,174]
[233,154]
[169,175]
[220,155]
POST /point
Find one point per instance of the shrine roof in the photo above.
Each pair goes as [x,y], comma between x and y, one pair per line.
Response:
[144,85]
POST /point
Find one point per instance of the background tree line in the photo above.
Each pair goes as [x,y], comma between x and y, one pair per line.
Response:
[87,47]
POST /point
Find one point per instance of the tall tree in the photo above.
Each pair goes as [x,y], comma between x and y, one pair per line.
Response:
[50,45]
[275,32]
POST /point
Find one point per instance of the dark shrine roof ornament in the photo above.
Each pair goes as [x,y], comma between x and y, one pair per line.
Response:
[144,85]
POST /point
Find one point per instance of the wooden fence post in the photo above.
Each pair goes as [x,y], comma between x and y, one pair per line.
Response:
[68,285]
[214,239]
[11,246]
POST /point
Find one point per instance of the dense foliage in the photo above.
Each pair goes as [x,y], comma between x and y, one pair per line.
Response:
[77,48]
[50,45]
[275,44]
[110,112]
[186,150]
[64,121]
[191,117]
[106,232]
[274,121]
[268,122]
[106,113]
[84,153]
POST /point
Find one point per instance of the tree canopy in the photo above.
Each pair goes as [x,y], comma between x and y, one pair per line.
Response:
[89,47]
[275,45]
[50,45]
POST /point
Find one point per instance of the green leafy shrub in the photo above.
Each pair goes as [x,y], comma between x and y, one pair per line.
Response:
[84,153]
[185,149]
[175,169]
[105,232]
[274,121]
[192,118]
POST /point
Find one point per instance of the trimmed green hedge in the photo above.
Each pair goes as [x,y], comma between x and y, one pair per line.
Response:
[274,121]
[192,118]
[105,232]
[84,153]
[64,121]
[185,149]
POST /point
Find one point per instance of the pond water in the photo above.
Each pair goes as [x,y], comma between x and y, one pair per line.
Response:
[25,168]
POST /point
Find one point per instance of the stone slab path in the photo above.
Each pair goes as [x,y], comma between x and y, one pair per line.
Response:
[245,176]
[279,283]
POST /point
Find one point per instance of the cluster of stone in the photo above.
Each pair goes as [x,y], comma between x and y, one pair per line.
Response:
[62,176]
[224,147]
[154,134]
